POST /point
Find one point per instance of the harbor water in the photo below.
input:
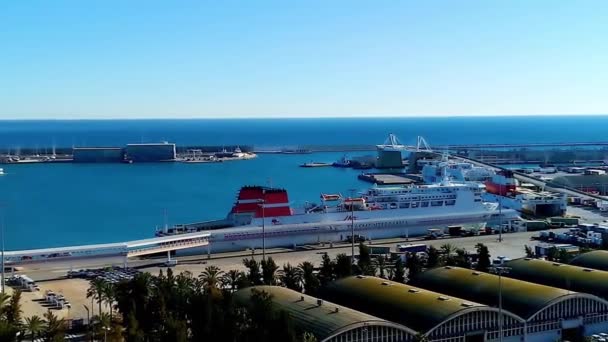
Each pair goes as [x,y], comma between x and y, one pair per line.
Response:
[47,205]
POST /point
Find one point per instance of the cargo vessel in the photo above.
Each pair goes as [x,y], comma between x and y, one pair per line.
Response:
[379,212]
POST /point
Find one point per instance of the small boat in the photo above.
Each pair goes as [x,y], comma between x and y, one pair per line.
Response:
[2,172]
[342,162]
[315,164]
[330,197]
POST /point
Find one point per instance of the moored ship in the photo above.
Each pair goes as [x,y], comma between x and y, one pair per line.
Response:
[379,212]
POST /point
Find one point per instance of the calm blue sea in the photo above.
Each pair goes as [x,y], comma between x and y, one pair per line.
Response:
[66,204]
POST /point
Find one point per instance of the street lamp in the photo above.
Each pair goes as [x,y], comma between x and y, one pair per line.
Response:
[2,242]
[105,333]
[352,225]
[500,270]
[262,203]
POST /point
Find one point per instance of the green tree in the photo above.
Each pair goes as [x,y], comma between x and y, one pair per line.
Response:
[210,277]
[413,265]
[95,291]
[108,295]
[563,256]
[254,276]
[365,261]
[529,251]
[448,252]
[552,254]
[54,328]
[34,326]
[433,259]
[291,277]
[462,258]
[13,309]
[308,337]
[399,271]
[483,262]
[234,280]
[343,266]
[310,280]
[381,266]
[269,271]
[327,273]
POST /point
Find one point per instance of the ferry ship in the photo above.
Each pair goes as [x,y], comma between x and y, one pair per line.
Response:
[501,187]
[379,212]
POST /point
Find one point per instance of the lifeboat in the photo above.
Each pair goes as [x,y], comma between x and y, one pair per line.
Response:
[330,197]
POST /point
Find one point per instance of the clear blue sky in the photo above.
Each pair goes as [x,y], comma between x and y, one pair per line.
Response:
[135,59]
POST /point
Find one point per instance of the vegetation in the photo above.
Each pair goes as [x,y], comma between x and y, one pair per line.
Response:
[186,307]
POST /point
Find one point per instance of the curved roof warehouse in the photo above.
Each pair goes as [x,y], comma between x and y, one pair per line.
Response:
[565,276]
[327,321]
[594,259]
[430,313]
[547,310]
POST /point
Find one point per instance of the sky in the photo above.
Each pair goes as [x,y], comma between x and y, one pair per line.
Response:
[229,59]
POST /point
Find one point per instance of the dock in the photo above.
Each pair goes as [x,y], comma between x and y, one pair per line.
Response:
[388,178]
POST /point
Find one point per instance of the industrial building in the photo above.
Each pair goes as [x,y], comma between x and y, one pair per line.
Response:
[574,278]
[437,316]
[150,152]
[550,313]
[98,154]
[597,260]
[588,183]
[328,322]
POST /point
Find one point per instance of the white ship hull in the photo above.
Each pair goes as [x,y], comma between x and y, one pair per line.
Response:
[327,231]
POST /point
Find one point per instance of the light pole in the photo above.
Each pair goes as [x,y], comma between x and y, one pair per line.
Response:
[352,225]
[500,270]
[2,242]
[500,213]
[263,204]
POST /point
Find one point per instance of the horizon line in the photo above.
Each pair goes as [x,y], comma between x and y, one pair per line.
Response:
[413,116]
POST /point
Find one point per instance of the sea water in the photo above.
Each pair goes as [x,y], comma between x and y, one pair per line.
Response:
[47,205]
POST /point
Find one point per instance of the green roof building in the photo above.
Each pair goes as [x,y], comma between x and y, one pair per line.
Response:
[327,321]
[596,259]
[574,278]
[438,316]
[550,312]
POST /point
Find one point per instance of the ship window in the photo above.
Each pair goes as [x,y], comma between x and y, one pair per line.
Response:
[404,205]
[436,203]
[450,202]
[424,204]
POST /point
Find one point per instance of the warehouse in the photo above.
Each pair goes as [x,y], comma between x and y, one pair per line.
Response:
[596,259]
[564,276]
[98,154]
[150,152]
[439,317]
[327,321]
[550,313]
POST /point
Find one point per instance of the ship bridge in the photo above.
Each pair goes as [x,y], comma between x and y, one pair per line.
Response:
[136,248]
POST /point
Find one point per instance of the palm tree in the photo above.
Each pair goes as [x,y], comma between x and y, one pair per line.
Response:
[54,329]
[4,299]
[95,291]
[210,277]
[269,270]
[291,277]
[448,251]
[108,295]
[34,325]
[232,279]
[308,337]
[310,280]
[380,264]
[102,324]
